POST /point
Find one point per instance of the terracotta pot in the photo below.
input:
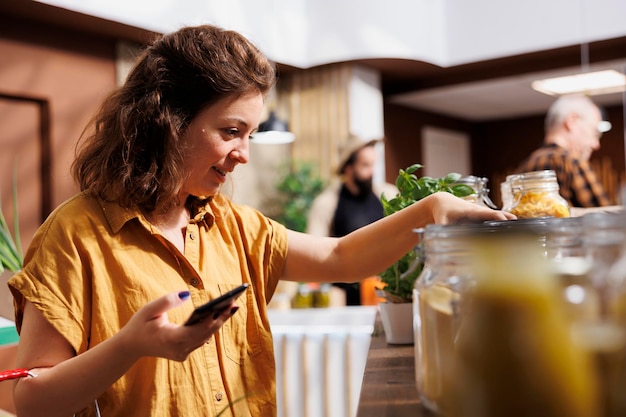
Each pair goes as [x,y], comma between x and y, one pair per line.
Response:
[397,321]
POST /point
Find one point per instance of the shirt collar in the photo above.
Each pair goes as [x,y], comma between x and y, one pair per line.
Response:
[118,216]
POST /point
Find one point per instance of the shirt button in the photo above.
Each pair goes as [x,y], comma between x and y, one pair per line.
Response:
[194,282]
[192,236]
[218,396]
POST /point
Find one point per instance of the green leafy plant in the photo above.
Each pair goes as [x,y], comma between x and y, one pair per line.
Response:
[297,189]
[400,277]
[10,247]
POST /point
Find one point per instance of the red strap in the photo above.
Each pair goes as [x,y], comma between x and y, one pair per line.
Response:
[14,374]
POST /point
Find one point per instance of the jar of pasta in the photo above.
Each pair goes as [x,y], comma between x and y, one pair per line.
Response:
[536,194]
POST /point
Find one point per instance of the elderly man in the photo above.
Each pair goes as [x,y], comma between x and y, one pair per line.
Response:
[573,128]
[350,201]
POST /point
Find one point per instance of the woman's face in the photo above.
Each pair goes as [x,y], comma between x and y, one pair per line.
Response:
[217,139]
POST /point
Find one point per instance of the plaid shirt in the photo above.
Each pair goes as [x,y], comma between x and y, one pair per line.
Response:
[577,182]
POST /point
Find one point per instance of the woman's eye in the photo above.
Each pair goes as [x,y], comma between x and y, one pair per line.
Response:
[232,132]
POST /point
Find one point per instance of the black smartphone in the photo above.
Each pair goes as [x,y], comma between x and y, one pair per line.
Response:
[216,305]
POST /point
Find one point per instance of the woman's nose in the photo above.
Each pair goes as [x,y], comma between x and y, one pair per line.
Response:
[241,153]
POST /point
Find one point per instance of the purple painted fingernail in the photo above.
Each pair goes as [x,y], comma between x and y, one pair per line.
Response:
[183,295]
[234,310]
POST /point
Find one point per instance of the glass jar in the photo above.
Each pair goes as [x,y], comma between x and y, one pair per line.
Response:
[604,240]
[492,332]
[515,355]
[568,260]
[604,237]
[435,319]
[536,194]
[481,195]
[506,195]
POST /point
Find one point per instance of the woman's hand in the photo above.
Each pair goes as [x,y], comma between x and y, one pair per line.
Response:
[446,209]
[150,333]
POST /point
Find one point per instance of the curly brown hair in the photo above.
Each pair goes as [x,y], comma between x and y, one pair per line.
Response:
[134,155]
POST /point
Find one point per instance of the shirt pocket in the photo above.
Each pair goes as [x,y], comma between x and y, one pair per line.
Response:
[241,337]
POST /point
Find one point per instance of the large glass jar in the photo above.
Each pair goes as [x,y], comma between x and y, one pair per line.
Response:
[605,236]
[536,194]
[515,355]
[435,317]
[492,331]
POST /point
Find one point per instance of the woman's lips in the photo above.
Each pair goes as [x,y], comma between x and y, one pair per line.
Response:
[221,174]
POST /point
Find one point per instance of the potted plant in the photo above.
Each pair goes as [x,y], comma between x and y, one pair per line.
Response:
[399,278]
[296,189]
[10,248]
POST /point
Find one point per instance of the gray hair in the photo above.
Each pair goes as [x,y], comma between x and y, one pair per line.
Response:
[565,106]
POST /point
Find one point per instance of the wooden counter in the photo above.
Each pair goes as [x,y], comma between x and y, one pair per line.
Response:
[388,388]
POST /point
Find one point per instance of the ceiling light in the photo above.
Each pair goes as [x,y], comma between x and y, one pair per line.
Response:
[589,83]
[604,126]
[273,131]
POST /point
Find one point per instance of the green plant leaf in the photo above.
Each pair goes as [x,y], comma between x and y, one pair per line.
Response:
[297,188]
[451,178]
[462,190]
[10,247]
[410,190]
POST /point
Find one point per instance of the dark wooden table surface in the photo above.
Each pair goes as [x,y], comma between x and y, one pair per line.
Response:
[388,388]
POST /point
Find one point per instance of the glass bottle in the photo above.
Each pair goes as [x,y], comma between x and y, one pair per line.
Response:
[303,298]
[321,295]
[536,194]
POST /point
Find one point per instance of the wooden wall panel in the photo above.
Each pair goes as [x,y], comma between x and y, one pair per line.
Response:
[318,114]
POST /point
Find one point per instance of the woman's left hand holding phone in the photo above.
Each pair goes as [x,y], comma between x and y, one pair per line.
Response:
[150,333]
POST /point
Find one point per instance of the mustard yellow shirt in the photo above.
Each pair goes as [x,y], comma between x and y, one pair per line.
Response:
[91,265]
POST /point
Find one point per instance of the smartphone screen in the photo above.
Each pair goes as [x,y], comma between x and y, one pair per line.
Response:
[216,305]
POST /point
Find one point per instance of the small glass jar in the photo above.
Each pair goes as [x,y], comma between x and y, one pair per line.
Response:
[481,195]
[506,194]
[536,194]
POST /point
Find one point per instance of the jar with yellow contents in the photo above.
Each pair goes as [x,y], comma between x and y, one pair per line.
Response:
[536,194]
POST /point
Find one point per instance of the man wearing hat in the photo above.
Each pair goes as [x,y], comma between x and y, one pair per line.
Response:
[352,200]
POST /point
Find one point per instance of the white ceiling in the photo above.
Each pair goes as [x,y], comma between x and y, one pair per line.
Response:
[499,98]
